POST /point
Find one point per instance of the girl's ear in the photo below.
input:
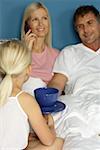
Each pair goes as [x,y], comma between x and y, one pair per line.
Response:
[29,69]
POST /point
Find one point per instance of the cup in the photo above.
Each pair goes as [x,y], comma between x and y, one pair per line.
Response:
[46,96]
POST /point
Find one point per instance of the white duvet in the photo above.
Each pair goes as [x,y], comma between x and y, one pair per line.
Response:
[80,124]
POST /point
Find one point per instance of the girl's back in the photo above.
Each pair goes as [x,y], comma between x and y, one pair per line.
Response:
[14,126]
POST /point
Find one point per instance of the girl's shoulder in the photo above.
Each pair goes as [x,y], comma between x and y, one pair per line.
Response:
[24,95]
[25,98]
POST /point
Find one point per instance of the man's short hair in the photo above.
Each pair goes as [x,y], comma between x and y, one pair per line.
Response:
[83,10]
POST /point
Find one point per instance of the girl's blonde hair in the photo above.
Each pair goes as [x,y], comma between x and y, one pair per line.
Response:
[30,9]
[14,59]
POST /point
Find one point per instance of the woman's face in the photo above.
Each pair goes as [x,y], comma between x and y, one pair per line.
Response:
[39,22]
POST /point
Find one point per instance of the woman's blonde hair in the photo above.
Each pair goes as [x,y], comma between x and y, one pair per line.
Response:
[14,59]
[30,9]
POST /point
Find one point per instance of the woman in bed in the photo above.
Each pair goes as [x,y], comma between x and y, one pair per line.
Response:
[36,33]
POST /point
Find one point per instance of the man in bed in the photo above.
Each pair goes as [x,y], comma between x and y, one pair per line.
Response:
[73,60]
[77,73]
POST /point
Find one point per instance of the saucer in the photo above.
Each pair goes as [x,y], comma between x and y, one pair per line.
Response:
[59,106]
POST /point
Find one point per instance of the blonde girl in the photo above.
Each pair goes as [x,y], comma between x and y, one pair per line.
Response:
[17,108]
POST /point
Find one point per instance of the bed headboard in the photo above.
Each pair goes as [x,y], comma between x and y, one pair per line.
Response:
[61,12]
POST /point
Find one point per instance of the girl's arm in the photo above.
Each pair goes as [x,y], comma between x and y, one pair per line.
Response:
[44,129]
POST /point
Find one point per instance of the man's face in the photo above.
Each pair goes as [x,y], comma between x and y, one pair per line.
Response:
[88,29]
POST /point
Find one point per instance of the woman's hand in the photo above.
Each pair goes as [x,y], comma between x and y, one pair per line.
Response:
[30,39]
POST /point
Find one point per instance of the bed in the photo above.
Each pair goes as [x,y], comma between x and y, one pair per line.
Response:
[80,124]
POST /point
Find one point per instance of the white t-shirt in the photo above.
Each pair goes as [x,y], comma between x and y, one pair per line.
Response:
[14,126]
[82,67]
[75,61]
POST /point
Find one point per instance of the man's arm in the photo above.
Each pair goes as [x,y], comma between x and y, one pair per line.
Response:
[58,81]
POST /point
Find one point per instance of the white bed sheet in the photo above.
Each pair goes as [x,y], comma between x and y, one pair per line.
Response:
[80,126]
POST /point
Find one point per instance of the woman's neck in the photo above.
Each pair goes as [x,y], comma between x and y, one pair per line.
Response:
[39,46]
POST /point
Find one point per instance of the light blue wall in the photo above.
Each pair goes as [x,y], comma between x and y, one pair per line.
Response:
[61,12]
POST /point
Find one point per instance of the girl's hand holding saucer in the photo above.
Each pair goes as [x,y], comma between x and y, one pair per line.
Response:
[50,122]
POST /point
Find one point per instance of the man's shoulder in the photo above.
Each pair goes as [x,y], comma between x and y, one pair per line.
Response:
[72,50]
[74,46]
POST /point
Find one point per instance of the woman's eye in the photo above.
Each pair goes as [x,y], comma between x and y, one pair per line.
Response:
[34,19]
[45,18]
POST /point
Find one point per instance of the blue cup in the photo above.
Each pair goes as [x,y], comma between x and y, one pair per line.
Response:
[46,96]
